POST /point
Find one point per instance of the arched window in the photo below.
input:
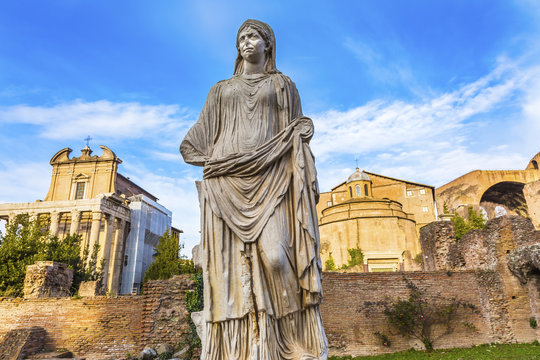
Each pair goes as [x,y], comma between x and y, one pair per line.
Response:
[350,191]
[366,190]
[358,191]
[535,164]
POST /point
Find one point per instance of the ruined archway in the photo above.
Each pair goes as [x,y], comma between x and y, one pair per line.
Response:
[507,195]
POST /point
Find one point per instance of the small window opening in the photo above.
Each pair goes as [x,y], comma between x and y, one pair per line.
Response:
[366,190]
[358,191]
[350,191]
[79,191]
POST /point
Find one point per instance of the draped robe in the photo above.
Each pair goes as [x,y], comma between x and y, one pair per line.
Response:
[260,241]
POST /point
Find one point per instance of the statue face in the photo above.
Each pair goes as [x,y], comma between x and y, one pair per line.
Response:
[251,45]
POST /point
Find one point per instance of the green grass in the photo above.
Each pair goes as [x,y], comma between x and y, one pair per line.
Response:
[487,351]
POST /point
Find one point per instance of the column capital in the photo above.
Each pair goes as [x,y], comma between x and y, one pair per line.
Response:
[75,215]
[55,215]
[96,215]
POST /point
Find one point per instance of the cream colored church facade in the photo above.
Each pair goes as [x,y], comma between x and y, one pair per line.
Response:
[88,196]
[377,214]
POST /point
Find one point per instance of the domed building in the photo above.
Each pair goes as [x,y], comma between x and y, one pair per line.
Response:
[363,228]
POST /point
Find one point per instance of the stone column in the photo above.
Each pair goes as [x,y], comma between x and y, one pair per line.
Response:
[55,218]
[75,221]
[105,248]
[116,263]
[94,232]
[33,216]
[11,218]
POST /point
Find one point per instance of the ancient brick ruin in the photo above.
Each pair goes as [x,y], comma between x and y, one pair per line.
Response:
[47,279]
[495,269]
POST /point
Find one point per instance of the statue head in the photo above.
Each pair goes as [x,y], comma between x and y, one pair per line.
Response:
[266,32]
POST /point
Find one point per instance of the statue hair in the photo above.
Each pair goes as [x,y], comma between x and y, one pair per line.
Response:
[266,32]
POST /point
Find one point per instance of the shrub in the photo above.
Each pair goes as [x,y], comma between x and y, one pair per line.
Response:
[426,321]
[463,226]
[194,303]
[330,265]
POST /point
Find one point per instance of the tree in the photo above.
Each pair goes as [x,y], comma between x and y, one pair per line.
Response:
[27,241]
[167,261]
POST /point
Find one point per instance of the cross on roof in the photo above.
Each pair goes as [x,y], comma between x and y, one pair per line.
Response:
[88,140]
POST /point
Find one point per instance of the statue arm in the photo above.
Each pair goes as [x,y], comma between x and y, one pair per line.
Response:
[196,147]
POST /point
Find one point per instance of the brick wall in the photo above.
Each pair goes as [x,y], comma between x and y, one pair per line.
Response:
[101,327]
[92,327]
[354,303]
[352,310]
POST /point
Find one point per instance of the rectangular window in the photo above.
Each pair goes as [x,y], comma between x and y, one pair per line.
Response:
[425,209]
[409,193]
[79,191]
[329,203]
[422,192]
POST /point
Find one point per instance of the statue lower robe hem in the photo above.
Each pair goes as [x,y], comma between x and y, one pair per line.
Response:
[296,336]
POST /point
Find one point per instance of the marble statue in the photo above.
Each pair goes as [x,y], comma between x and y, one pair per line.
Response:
[260,241]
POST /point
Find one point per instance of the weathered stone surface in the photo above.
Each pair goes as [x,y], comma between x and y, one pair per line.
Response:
[164,349]
[197,256]
[477,249]
[90,289]
[182,354]
[47,279]
[259,189]
[19,343]
[531,192]
[147,354]
[198,320]
[52,355]
[436,239]
[524,260]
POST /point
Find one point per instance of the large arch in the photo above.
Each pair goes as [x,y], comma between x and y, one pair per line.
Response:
[506,194]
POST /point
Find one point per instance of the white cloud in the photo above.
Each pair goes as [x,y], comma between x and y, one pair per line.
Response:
[107,119]
[432,140]
[24,182]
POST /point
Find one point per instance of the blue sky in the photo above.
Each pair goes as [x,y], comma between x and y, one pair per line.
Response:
[419,90]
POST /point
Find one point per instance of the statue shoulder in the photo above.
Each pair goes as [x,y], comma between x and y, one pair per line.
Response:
[284,81]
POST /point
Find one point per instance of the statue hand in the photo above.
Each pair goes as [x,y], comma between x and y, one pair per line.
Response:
[304,128]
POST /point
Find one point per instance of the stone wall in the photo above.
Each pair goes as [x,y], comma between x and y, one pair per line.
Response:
[352,311]
[47,279]
[531,191]
[164,311]
[478,249]
[506,258]
[94,328]
[19,343]
[102,327]
[436,239]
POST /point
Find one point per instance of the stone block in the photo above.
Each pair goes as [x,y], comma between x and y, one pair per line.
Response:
[90,289]
[47,279]
[20,343]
